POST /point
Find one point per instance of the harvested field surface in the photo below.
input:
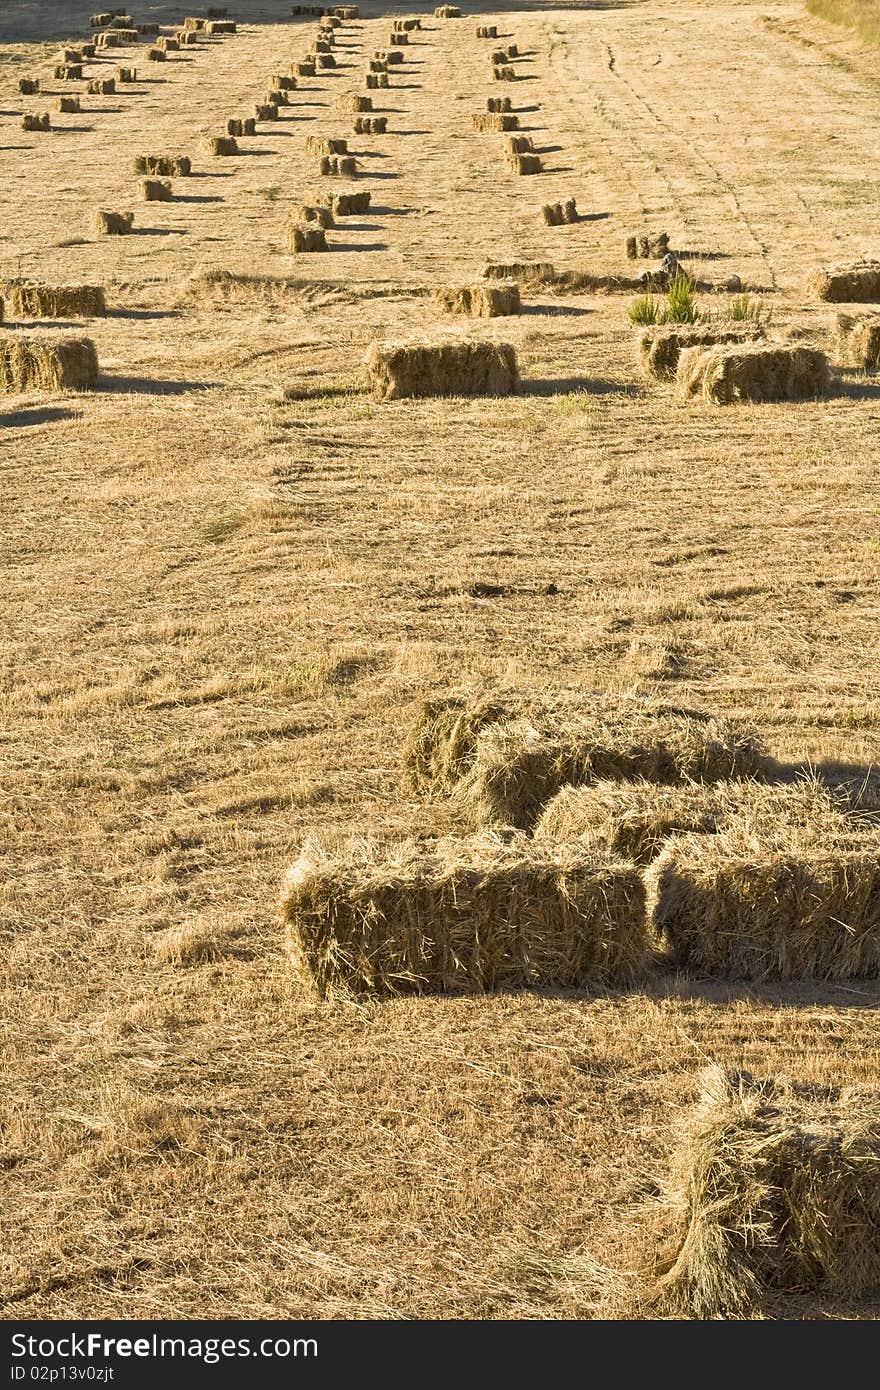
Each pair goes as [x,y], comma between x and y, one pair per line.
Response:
[230,574]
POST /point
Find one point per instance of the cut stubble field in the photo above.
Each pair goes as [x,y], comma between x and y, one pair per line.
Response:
[229,572]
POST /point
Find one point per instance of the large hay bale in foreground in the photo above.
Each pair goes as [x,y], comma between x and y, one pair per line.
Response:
[526,272]
[459,367]
[462,915]
[858,341]
[658,349]
[494,121]
[847,284]
[30,299]
[47,364]
[479,301]
[113,223]
[774,1188]
[724,374]
[303,236]
[764,899]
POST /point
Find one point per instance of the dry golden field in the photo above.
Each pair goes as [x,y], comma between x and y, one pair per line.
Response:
[228,572]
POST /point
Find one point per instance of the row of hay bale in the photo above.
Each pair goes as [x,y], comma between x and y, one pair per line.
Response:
[725,363]
[611,829]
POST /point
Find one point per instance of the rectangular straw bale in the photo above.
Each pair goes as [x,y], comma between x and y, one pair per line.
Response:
[658,349]
[499,104]
[393,57]
[68,72]
[46,364]
[36,122]
[223,145]
[398,40]
[156,190]
[527,272]
[168,44]
[220,26]
[148,29]
[192,24]
[724,374]
[317,144]
[156,55]
[349,204]
[518,144]
[375,80]
[447,12]
[455,368]
[113,223]
[479,301]
[371,125]
[102,86]
[304,236]
[304,69]
[164,165]
[266,111]
[278,97]
[127,75]
[525,163]
[238,128]
[98,20]
[283,83]
[487,31]
[71,55]
[354,104]
[325,60]
[503,73]
[31,299]
[773,1188]
[337,166]
[309,212]
[494,121]
[560,214]
[461,915]
[69,104]
[847,284]
[858,341]
[653,247]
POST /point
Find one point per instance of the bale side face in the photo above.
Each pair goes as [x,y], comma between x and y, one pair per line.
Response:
[27,299]
[462,916]
[307,236]
[43,364]
[398,370]
[156,191]
[858,341]
[113,223]
[632,821]
[723,375]
[526,272]
[852,284]
[479,301]
[658,349]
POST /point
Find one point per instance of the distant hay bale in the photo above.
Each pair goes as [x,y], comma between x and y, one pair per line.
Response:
[337,166]
[724,374]
[378,65]
[407,25]
[113,223]
[220,26]
[526,272]
[631,819]
[774,1188]
[659,348]
[168,44]
[847,284]
[238,128]
[155,55]
[98,20]
[223,145]
[498,55]
[102,86]
[68,72]
[518,144]
[505,754]
[398,40]
[34,122]
[330,21]
[349,204]
[503,73]
[307,237]
[447,12]
[559,214]
[31,299]
[353,104]
[374,80]
[325,60]
[512,50]
[653,247]
[494,121]
[487,31]
[147,29]
[371,125]
[499,104]
[304,69]
[461,915]
[324,45]
[311,213]
[192,24]
[277,97]
[156,191]
[451,368]
[317,144]
[266,111]
[171,166]
[282,82]
[346,11]
[71,55]
[858,341]
[394,57]
[46,364]
[127,75]
[525,163]
[479,301]
[772,897]
[69,104]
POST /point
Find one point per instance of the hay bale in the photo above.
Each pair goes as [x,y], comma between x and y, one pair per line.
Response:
[458,915]
[337,166]
[118,38]
[505,754]
[192,24]
[526,272]
[127,75]
[31,299]
[325,60]
[518,144]
[349,204]
[398,40]
[33,122]
[148,29]
[168,44]
[307,237]
[458,367]
[479,301]
[498,55]
[724,374]
[494,121]
[46,364]
[512,50]
[68,72]
[156,55]
[447,12]
[858,341]
[653,247]
[303,69]
[487,31]
[525,163]
[311,213]
[631,820]
[113,223]
[237,129]
[318,145]
[774,1188]
[323,45]
[266,111]
[98,21]
[376,80]
[171,166]
[658,349]
[847,284]
[354,104]
[371,125]
[502,73]
[156,191]
[394,58]
[499,104]
[277,97]
[406,26]
[787,896]
[71,55]
[69,105]
[560,214]
[283,83]
[223,145]
[102,87]
[220,26]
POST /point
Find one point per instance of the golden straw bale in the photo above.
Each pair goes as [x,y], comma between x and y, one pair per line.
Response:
[371,125]
[238,128]
[494,121]
[499,104]
[69,104]
[102,86]
[34,122]
[266,111]
[518,144]
[631,819]
[398,40]
[309,212]
[447,12]
[278,97]
[317,144]
[337,166]
[98,21]
[653,247]
[527,272]
[354,104]
[525,163]
[458,367]
[349,204]
[774,1187]
[68,72]
[156,55]
[723,374]
[31,299]
[858,341]
[374,80]
[223,145]
[847,284]
[283,83]
[71,55]
[479,301]
[164,165]
[503,73]
[307,237]
[126,75]
[325,60]
[659,348]
[303,69]
[487,31]
[220,26]
[168,44]
[461,915]
[393,58]
[192,24]
[156,191]
[378,65]
[46,364]
[113,223]
[559,214]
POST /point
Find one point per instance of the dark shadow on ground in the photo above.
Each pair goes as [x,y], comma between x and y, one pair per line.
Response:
[588,385]
[151,386]
[39,415]
[556,311]
[157,231]
[138,314]
[354,246]
[197,198]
